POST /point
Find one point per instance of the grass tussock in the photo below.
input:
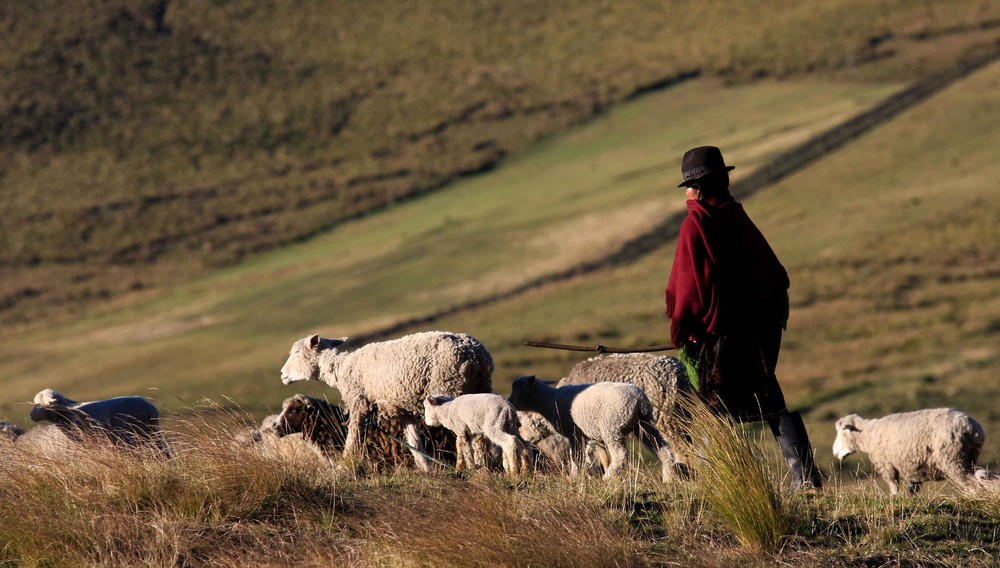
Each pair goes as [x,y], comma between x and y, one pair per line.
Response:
[735,480]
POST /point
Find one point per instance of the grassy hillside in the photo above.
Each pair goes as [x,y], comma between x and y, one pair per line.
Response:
[572,199]
[138,148]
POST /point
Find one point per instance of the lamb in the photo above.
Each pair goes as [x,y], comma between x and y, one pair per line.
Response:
[663,379]
[393,376]
[486,414]
[129,420]
[602,412]
[913,447]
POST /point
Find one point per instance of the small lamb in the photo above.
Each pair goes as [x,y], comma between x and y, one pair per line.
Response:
[602,412]
[129,420]
[485,414]
[913,447]
[393,376]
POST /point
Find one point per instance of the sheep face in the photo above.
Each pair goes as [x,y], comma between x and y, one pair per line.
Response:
[845,445]
[303,359]
[523,392]
[296,416]
[431,404]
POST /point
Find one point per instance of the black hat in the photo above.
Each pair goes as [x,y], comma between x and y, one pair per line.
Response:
[700,162]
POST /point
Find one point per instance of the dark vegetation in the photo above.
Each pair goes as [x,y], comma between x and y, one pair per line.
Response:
[141,142]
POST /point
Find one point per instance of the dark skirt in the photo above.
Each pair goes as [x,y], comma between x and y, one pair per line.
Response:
[735,374]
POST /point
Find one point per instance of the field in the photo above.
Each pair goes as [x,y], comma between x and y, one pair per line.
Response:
[891,242]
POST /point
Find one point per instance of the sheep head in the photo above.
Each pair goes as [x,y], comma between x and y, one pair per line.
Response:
[303,359]
[431,403]
[847,427]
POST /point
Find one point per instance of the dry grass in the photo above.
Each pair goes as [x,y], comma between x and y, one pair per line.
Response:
[219,505]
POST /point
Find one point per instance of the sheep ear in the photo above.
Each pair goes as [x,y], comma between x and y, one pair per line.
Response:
[531,379]
[312,341]
[432,401]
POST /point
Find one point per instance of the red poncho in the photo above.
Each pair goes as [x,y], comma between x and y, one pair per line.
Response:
[725,276]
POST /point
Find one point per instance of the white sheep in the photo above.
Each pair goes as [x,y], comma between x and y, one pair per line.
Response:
[47,440]
[394,376]
[662,378]
[482,414]
[913,447]
[602,412]
[291,448]
[129,420]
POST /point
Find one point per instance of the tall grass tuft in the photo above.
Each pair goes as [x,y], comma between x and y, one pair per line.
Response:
[733,477]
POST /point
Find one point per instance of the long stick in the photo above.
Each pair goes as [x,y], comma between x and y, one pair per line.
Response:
[600,348]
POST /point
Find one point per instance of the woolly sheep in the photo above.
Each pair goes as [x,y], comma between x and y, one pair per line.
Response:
[602,412]
[130,420]
[549,449]
[394,376]
[486,414]
[264,440]
[913,447]
[321,423]
[987,479]
[47,440]
[663,379]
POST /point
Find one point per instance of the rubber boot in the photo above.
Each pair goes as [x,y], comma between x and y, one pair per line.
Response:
[790,432]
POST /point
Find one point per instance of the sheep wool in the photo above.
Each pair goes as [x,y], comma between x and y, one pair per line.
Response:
[602,412]
[663,379]
[914,447]
[131,421]
[395,376]
[483,414]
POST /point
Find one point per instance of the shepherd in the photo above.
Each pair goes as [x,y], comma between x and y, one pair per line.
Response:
[727,299]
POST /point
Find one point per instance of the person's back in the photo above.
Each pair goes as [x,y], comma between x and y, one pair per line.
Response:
[727,301]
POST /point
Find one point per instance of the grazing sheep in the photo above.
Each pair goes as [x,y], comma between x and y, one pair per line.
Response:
[48,440]
[663,379]
[393,376]
[321,423]
[602,412]
[913,447]
[265,441]
[130,420]
[548,449]
[485,414]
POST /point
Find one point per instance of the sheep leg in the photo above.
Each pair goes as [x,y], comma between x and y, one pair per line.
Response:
[656,443]
[416,442]
[357,416]
[618,451]
[891,478]
[511,451]
[468,450]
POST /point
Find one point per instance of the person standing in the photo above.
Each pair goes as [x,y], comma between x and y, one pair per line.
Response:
[727,299]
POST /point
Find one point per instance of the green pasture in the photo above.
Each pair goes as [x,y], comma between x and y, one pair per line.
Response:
[890,243]
[571,199]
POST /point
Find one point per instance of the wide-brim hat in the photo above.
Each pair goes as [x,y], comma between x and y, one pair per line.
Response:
[700,162]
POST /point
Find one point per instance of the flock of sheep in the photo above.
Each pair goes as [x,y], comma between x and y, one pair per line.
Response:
[439,384]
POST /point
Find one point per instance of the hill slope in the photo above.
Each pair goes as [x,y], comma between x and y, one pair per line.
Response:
[138,147]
